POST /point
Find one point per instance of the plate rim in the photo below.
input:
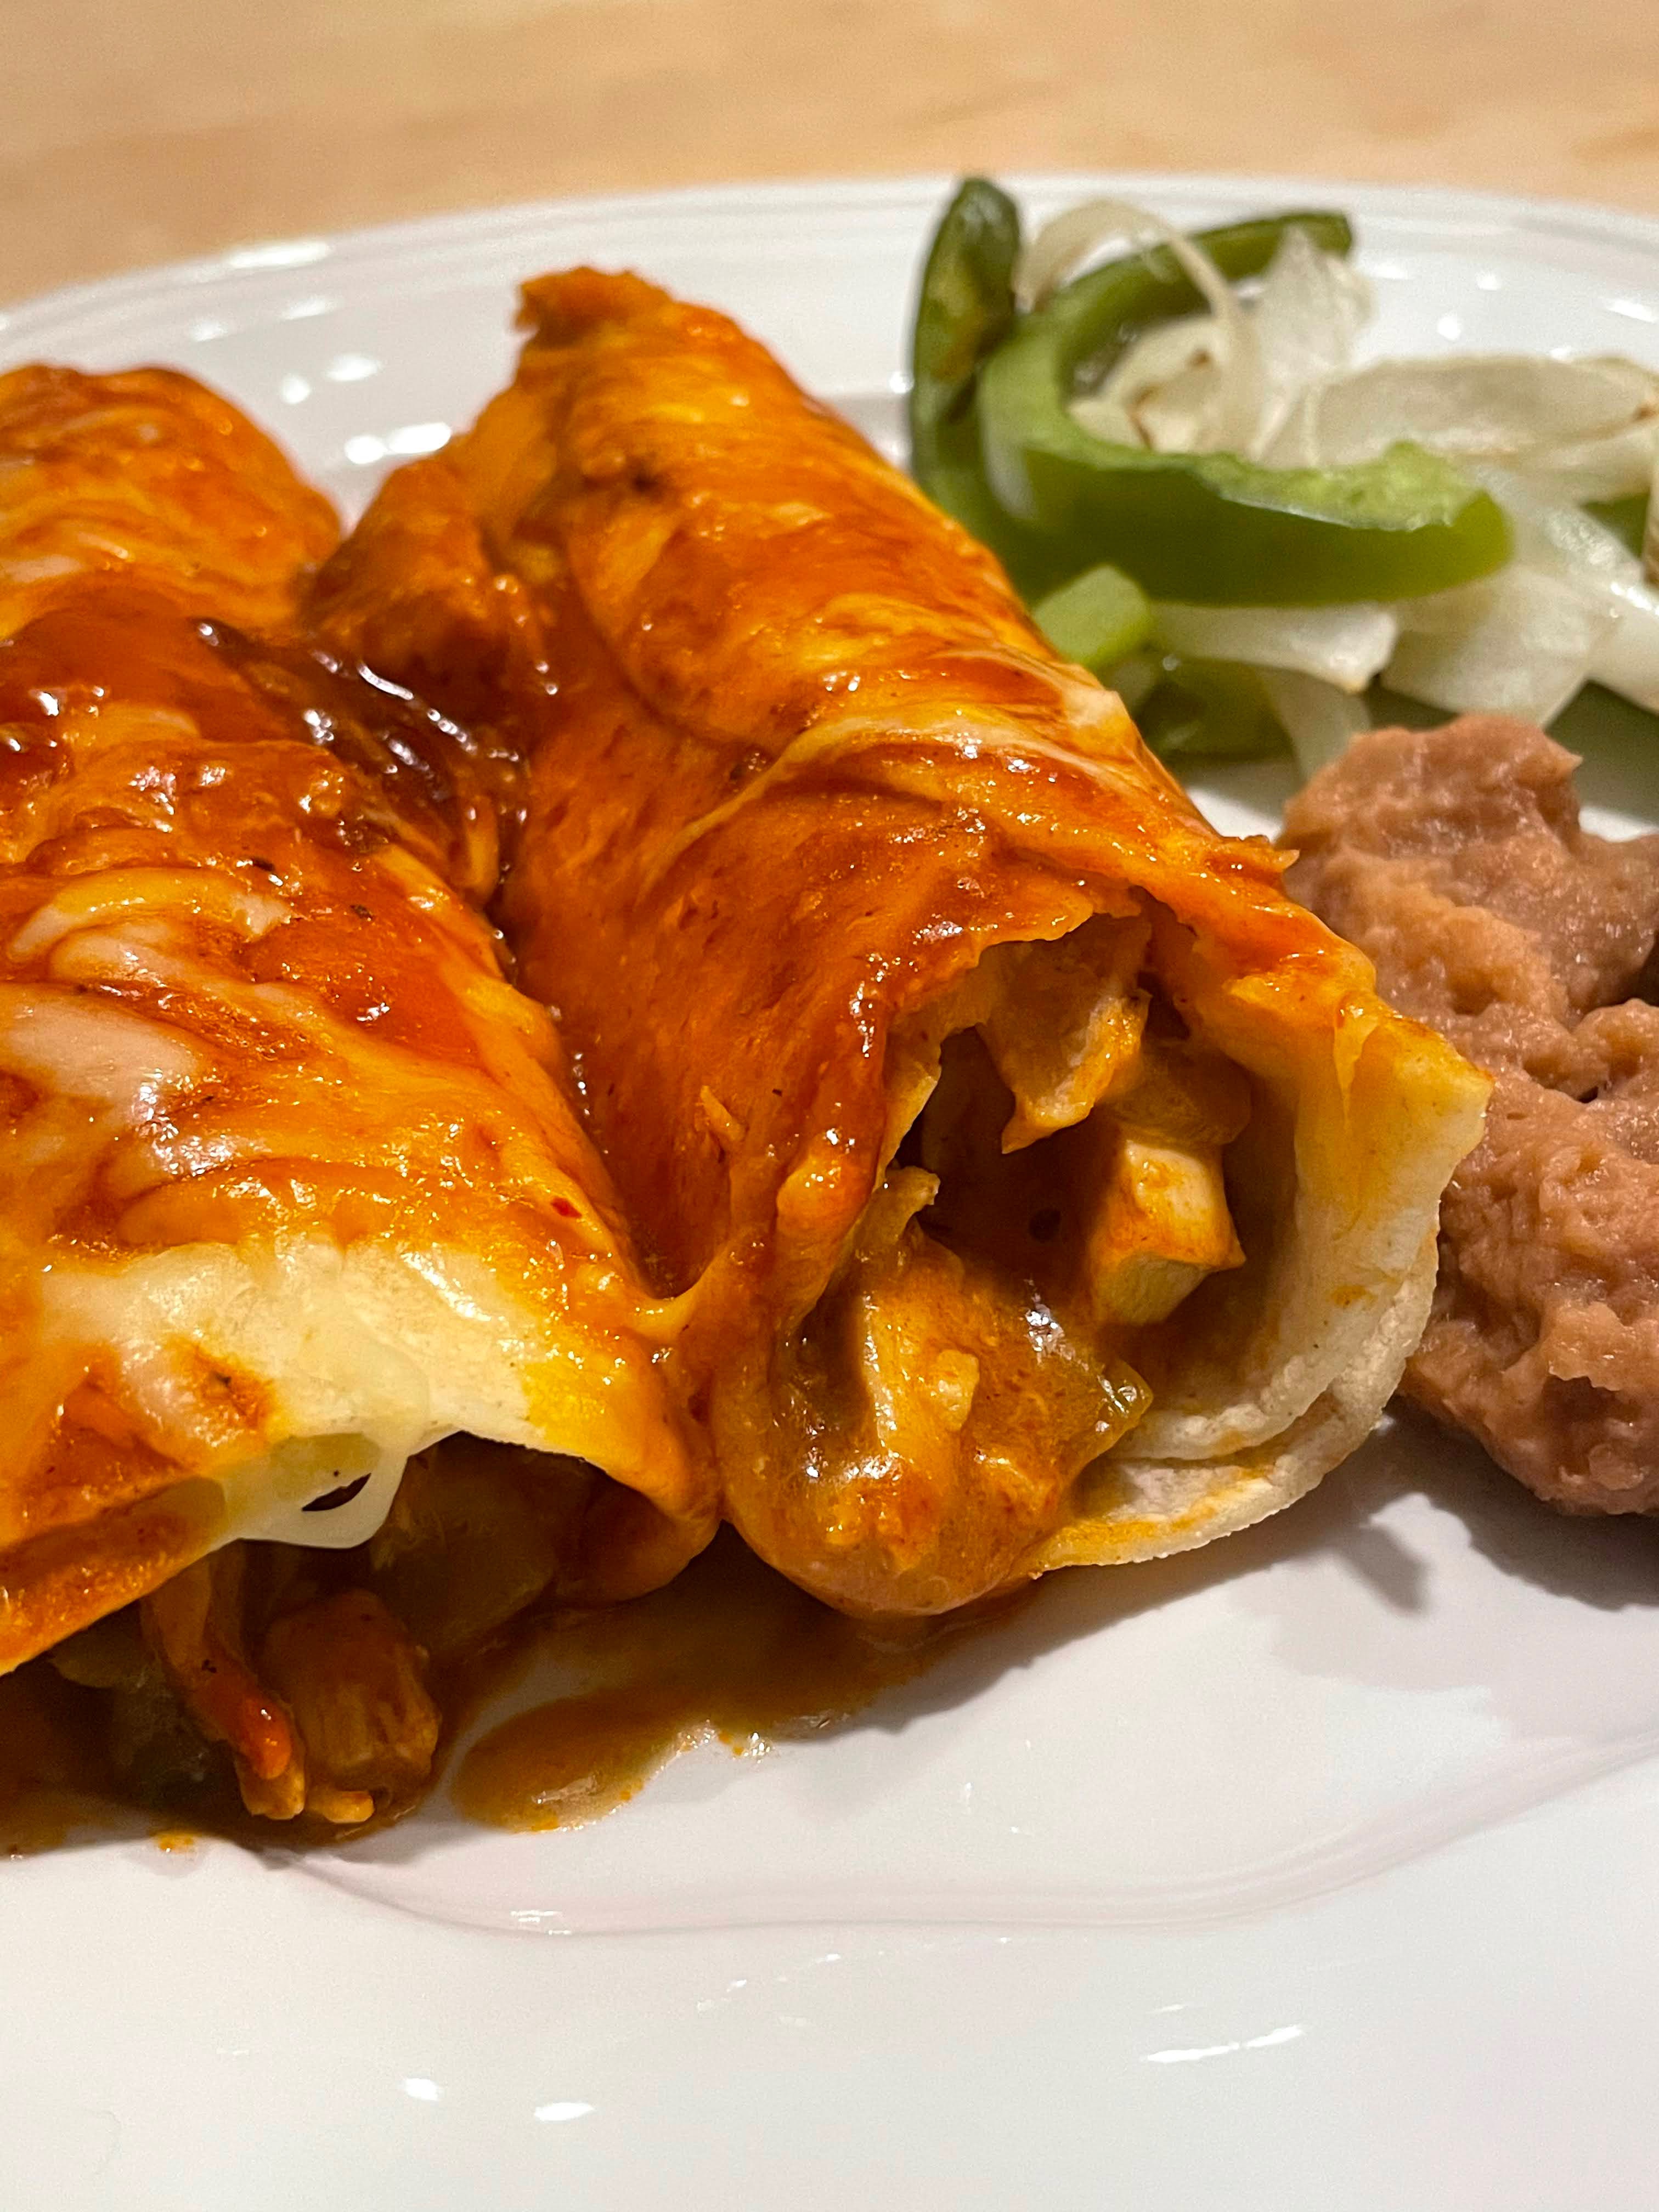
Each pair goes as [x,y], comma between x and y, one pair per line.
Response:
[358,247]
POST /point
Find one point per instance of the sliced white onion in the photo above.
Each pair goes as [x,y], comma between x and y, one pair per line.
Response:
[1066,240]
[1178,388]
[1103,416]
[1556,538]
[1320,721]
[1616,467]
[1552,534]
[1627,659]
[1069,239]
[1521,643]
[1588,427]
[1343,647]
[1163,392]
[1310,310]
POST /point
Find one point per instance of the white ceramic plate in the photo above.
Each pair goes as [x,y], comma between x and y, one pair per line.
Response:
[1315,1870]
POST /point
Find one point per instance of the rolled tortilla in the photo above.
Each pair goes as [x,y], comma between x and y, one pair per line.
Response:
[1045,1187]
[291,1183]
[148,473]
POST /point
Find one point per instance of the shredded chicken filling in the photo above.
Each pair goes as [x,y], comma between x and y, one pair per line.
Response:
[310,1676]
[1055,1184]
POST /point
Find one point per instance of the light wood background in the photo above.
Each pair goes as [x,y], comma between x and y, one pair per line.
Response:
[137,131]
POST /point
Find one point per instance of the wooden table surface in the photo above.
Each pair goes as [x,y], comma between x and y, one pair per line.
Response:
[137,131]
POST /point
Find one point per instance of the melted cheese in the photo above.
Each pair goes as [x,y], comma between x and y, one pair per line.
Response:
[290,1185]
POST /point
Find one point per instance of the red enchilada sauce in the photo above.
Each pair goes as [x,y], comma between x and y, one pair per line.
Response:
[729,1652]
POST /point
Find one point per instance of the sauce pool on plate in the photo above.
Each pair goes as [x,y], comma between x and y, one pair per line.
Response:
[730,1652]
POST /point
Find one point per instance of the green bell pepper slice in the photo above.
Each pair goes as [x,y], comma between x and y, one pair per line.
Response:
[1210,710]
[1097,619]
[1210,528]
[964,310]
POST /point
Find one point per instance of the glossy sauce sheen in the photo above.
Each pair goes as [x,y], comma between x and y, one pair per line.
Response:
[730,1650]
[347,1063]
[799,773]
[267,1101]
[799,767]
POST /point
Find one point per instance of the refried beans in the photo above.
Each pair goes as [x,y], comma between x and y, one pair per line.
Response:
[1454,858]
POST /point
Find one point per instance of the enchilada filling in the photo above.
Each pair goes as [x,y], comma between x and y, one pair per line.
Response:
[1053,1184]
